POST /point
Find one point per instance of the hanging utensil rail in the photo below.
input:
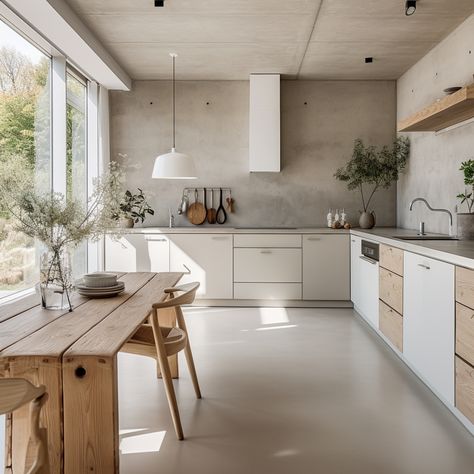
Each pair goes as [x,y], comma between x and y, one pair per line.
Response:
[208,188]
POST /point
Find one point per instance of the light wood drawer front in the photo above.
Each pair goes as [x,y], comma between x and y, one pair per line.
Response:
[465,332]
[391,258]
[391,289]
[465,286]
[267,265]
[267,291]
[267,240]
[465,389]
[391,325]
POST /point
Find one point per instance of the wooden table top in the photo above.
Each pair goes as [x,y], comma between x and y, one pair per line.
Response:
[96,327]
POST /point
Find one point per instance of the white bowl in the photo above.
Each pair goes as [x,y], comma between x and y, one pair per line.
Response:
[100,279]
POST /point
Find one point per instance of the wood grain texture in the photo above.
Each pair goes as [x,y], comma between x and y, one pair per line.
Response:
[55,338]
[18,306]
[443,113]
[391,259]
[90,415]
[465,286]
[106,338]
[39,371]
[465,332]
[391,289]
[465,388]
[391,325]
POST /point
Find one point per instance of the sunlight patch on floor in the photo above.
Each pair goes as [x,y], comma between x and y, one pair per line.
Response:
[142,443]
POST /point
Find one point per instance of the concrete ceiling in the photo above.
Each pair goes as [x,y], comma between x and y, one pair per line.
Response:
[304,39]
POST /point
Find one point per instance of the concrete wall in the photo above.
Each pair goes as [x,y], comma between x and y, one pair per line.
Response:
[433,170]
[212,126]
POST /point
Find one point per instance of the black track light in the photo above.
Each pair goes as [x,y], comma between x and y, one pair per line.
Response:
[410,7]
[159,3]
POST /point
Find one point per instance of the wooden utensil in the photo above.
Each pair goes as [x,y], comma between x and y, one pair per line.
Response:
[230,203]
[221,215]
[211,213]
[196,211]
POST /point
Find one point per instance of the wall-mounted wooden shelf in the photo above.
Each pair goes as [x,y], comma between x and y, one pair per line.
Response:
[444,113]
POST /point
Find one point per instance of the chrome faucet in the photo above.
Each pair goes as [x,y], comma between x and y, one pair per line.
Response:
[434,210]
[171,217]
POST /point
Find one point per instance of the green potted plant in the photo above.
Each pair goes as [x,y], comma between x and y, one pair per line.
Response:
[370,169]
[133,208]
[465,220]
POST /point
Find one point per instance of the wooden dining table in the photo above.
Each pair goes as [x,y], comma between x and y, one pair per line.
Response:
[74,354]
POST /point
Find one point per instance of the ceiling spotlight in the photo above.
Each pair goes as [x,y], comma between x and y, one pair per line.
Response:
[159,3]
[410,7]
[369,60]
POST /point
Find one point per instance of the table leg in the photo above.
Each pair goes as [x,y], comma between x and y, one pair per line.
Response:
[39,371]
[91,437]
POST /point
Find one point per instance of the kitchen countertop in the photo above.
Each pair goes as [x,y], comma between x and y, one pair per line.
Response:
[457,252]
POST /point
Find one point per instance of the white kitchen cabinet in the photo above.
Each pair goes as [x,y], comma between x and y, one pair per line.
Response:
[207,258]
[429,321]
[369,290]
[137,253]
[267,265]
[326,267]
[355,270]
[264,123]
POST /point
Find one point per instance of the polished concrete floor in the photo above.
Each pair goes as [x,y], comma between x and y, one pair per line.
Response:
[290,391]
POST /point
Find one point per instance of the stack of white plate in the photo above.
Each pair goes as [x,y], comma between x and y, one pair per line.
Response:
[99,285]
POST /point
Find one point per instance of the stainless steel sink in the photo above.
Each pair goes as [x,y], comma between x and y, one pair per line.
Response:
[424,237]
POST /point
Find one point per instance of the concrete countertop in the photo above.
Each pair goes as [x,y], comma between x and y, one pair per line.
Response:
[222,229]
[457,252]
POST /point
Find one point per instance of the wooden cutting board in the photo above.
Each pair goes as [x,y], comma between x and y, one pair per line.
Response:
[196,211]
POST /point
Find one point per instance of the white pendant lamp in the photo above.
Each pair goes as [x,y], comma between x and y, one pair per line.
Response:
[174,165]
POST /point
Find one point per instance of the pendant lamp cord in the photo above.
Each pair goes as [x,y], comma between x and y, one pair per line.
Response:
[174,104]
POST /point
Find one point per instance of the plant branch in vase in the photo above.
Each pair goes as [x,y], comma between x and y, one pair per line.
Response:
[59,223]
[133,208]
[371,169]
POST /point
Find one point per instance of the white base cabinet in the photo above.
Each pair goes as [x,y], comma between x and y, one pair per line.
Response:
[326,267]
[429,321]
[206,258]
[355,270]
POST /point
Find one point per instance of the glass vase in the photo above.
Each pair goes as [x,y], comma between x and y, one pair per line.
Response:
[55,285]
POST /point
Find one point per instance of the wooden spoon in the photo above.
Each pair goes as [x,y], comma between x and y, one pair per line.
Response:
[211,212]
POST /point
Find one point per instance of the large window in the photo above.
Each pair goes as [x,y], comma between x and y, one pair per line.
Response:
[25,144]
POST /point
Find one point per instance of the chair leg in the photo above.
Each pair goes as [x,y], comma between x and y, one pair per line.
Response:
[187,351]
[166,375]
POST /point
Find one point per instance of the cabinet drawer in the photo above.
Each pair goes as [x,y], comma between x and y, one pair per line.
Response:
[465,332]
[267,265]
[267,240]
[391,325]
[391,289]
[267,291]
[465,389]
[465,286]
[391,258]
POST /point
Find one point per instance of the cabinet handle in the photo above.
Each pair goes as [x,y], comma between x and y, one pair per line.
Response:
[224,237]
[422,265]
[188,271]
[314,238]
[352,240]
[156,240]
[366,259]
[265,251]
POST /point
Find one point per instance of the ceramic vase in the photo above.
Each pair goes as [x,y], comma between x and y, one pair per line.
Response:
[367,220]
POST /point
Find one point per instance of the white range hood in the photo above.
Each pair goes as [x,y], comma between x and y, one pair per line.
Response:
[264,123]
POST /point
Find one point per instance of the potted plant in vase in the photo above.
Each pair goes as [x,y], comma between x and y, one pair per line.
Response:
[60,224]
[370,169]
[133,208]
[465,220]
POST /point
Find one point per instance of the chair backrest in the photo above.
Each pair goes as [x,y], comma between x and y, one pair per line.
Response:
[188,291]
[17,392]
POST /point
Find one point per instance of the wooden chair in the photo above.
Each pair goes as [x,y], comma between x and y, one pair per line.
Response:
[162,342]
[15,393]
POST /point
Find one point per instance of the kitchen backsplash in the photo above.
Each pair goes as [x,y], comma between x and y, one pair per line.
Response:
[319,122]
